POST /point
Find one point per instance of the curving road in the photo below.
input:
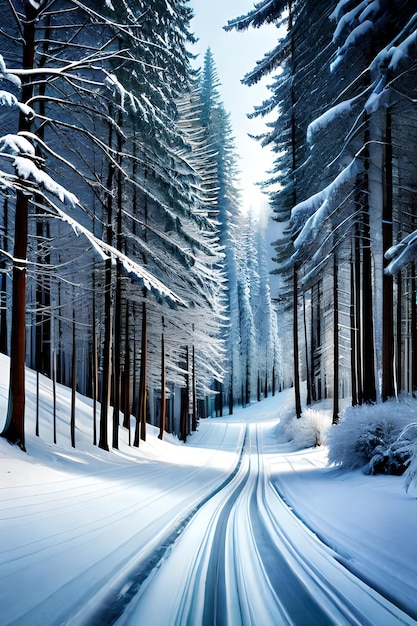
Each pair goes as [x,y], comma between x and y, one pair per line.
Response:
[246,559]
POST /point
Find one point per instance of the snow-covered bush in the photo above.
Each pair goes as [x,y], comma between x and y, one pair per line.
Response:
[310,429]
[376,436]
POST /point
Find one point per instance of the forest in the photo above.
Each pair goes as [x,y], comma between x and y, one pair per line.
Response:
[128,270]
[343,189]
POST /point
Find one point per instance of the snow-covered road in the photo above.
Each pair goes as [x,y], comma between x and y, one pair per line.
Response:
[236,527]
[246,558]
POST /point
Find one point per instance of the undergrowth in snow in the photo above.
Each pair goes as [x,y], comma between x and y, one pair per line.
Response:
[382,438]
[379,438]
[310,429]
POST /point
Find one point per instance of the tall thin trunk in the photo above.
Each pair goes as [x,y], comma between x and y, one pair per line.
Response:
[118,306]
[14,429]
[413,330]
[74,379]
[108,322]
[353,333]
[194,392]
[140,432]
[53,372]
[116,378]
[231,399]
[368,350]
[185,400]
[388,386]
[37,405]
[3,282]
[162,423]
[358,308]
[308,375]
[335,419]
[126,410]
[399,332]
[247,385]
[127,371]
[297,396]
[95,381]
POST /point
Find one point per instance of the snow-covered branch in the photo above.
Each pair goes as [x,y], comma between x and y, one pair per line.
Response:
[402,253]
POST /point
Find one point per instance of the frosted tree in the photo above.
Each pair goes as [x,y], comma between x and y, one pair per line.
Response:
[64,82]
[222,185]
[344,182]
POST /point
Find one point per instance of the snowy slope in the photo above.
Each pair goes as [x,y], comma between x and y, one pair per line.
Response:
[78,527]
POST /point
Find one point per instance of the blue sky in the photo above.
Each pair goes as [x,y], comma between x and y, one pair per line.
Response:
[236,54]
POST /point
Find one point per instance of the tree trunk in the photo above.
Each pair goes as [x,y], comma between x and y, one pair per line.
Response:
[126,379]
[140,431]
[388,386]
[368,372]
[193,394]
[308,375]
[74,379]
[14,429]
[399,332]
[108,322]
[413,330]
[3,282]
[185,400]
[116,378]
[297,397]
[335,419]
[358,325]
[353,334]
[162,424]
[117,330]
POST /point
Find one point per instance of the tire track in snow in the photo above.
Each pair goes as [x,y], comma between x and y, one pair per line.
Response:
[127,586]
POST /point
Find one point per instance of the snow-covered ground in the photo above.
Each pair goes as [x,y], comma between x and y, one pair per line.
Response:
[237,515]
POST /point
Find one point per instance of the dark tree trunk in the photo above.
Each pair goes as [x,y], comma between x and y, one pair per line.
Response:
[335,419]
[140,431]
[185,400]
[247,388]
[308,369]
[231,399]
[95,380]
[162,424]
[399,339]
[297,397]
[3,282]
[388,384]
[358,309]
[353,335]
[14,429]
[369,389]
[127,375]
[53,372]
[74,379]
[116,378]
[107,339]
[193,394]
[413,330]
[117,307]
